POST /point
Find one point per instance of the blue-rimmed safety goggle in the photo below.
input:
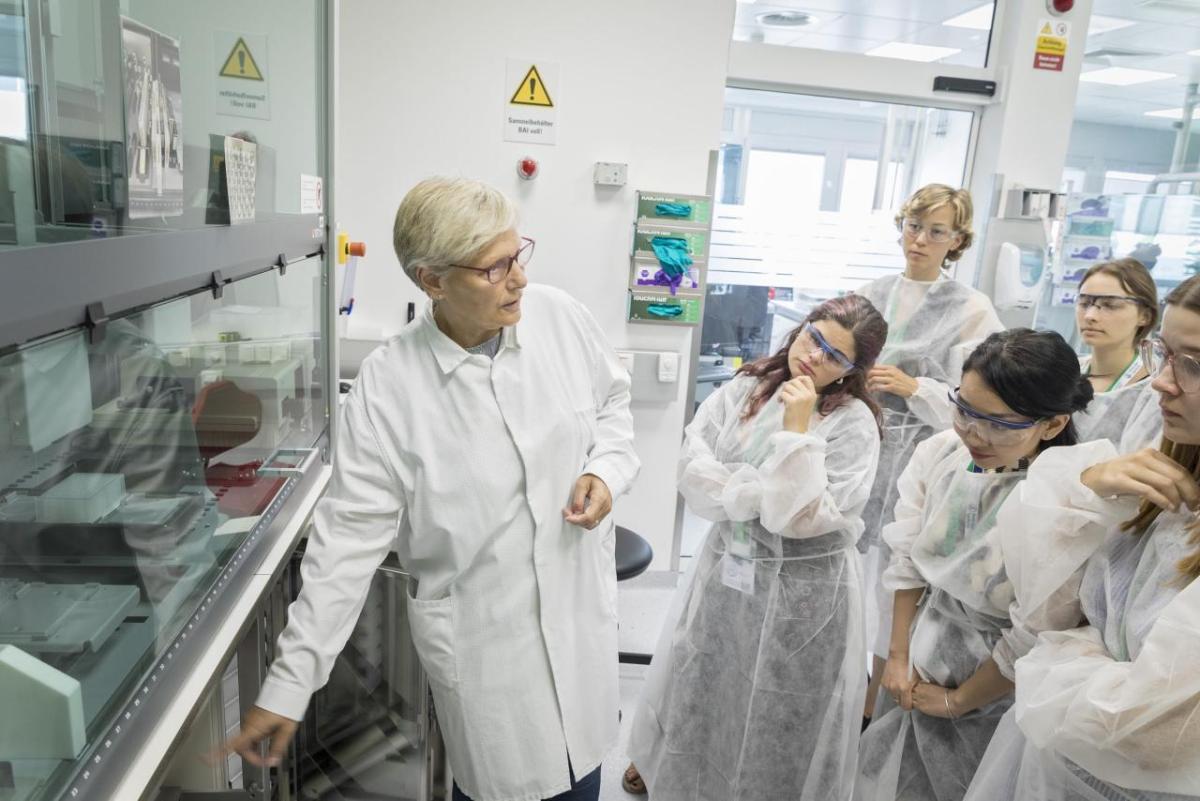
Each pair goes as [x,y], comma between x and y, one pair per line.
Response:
[1011,425]
[829,350]
[987,428]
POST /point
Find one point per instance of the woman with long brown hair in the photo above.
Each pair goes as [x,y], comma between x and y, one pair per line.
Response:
[755,693]
[1111,709]
[1115,310]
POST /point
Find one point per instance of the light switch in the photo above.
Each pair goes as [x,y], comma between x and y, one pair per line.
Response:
[668,368]
[626,360]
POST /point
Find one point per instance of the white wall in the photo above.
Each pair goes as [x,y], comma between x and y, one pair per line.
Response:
[1024,138]
[422,87]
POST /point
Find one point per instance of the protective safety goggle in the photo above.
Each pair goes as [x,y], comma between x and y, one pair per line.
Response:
[825,350]
[986,428]
[1105,303]
[1186,369]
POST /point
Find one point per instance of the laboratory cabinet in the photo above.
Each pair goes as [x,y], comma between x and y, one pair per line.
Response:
[168,406]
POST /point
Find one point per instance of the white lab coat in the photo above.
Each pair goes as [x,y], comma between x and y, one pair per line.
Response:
[466,464]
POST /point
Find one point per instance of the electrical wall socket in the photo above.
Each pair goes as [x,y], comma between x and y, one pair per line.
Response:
[609,173]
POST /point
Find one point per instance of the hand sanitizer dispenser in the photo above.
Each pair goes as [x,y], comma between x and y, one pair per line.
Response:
[1019,271]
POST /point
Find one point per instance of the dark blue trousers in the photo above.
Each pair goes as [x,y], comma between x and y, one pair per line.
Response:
[585,789]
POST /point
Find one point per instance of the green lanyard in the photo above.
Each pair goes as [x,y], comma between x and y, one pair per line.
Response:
[1129,372]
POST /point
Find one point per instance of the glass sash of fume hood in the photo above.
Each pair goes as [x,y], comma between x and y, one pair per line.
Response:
[135,462]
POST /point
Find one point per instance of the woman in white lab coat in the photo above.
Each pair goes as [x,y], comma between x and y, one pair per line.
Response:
[486,441]
[933,323]
[754,694]
[1115,310]
[1111,710]
[948,677]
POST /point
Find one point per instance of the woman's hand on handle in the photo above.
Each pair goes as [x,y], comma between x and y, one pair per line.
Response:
[260,726]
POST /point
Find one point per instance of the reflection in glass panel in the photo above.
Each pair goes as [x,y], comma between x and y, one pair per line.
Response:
[131,469]
[949,32]
[1117,182]
[365,736]
[1160,231]
[123,124]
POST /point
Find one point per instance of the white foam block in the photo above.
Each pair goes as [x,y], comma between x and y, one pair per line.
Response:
[43,709]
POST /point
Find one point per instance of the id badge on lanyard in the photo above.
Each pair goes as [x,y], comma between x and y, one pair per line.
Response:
[972,518]
[737,567]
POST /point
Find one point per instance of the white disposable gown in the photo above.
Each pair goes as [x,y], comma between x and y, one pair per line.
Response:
[1113,414]
[757,695]
[947,539]
[932,327]
[1109,710]
[465,464]
[1143,426]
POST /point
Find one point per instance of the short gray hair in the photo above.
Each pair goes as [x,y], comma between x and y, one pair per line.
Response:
[444,221]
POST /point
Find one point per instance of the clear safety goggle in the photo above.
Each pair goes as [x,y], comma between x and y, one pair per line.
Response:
[1105,303]
[1185,369]
[824,350]
[936,233]
[986,428]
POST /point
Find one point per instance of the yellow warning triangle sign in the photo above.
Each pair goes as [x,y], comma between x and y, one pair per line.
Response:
[240,64]
[1046,29]
[532,91]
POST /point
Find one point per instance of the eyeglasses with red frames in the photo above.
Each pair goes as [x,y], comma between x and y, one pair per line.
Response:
[498,270]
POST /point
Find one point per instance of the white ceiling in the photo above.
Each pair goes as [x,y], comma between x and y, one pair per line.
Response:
[1160,38]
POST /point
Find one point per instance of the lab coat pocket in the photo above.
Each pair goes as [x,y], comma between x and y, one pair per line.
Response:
[432,626]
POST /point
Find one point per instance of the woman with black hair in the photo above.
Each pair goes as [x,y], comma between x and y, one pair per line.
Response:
[756,692]
[948,678]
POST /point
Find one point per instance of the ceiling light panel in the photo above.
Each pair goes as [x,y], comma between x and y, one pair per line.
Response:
[1099,24]
[913,52]
[977,19]
[1123,76]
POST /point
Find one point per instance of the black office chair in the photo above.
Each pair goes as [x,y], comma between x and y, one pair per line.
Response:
[634,555]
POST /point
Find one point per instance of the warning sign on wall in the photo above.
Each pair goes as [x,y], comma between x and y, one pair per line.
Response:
[532,90]
[243,83]
[531,111]
[240,63]
[1051,49]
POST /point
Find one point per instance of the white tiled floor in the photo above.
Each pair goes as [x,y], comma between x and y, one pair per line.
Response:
[643,603]
[632,679]
[695,529]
